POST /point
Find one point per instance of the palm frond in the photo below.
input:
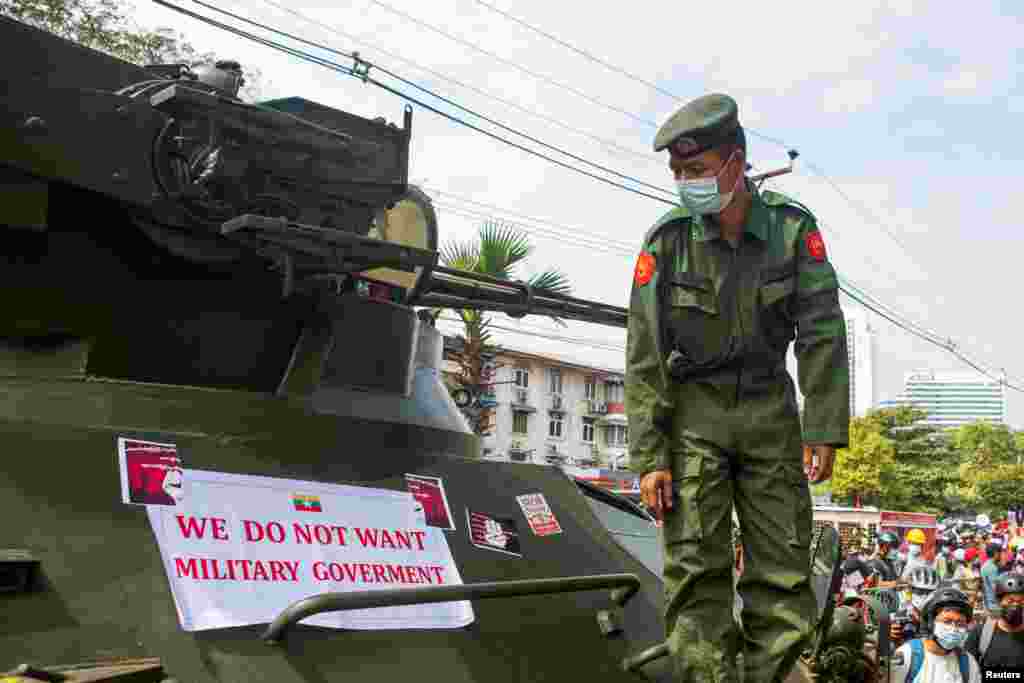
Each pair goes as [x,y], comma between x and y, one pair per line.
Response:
[553,281]
[502,247]
[461,255]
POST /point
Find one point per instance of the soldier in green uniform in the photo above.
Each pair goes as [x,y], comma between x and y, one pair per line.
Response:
[722,285]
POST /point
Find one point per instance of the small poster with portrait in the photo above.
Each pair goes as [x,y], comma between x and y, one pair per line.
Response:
[151,473]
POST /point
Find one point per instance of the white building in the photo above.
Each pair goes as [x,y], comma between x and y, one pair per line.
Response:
[557,412]
[952,399]
[860,349]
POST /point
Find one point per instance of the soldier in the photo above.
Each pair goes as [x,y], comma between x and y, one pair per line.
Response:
[722,286]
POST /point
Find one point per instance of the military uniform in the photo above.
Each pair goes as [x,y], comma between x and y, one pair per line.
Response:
[709,398]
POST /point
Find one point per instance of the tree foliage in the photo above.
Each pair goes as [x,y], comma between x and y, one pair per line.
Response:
[104,25]
[498,251]
[1000,487]
[858,469]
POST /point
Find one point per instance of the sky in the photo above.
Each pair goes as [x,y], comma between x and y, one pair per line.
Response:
[910,108]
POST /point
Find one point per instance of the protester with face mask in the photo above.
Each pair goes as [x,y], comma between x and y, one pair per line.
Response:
[905,623]
[1000,642]
[939,657]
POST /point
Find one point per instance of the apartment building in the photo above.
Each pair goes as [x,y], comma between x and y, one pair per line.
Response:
[550,411]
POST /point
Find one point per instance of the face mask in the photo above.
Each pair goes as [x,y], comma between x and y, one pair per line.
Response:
[1014,616]
[893,555]
[918,601]
[701,195]
[915,550]
[950,637]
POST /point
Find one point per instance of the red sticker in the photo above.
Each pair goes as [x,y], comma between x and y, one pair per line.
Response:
[644,269]
[815,245]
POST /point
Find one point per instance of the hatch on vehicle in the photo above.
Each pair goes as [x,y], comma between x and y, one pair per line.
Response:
[631,525]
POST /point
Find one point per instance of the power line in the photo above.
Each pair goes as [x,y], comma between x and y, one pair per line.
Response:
[360,71]
[513,65]
[559,230]
[667,93]
[645,156]
[545,335]
[363,75]
[872,303]
[617,69]
[444,99]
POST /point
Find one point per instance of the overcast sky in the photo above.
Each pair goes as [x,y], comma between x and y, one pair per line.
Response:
[911,108]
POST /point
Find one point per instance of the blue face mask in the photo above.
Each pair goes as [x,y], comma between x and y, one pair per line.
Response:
[950,637]
[701,195]
[893,555]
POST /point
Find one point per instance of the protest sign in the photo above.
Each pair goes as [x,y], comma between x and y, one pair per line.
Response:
[241,548]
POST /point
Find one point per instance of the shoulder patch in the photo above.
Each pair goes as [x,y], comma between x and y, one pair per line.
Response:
[677,214]
[815,245]
[645,267]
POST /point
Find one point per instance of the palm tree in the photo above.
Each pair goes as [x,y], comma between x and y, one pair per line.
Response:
[498,251]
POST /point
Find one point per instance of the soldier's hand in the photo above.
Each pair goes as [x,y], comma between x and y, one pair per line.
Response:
[656,492]
[818,462]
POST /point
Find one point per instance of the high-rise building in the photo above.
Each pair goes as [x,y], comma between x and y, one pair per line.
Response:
[860,349]
[860,342]
[952,399]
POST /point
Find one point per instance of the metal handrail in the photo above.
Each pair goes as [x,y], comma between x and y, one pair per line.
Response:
[624,587]
[645,656]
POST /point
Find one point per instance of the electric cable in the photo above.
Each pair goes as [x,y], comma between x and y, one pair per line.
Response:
[444,99]
[617,69]
[644,156]
[666,93]
[364,76]
[509,63]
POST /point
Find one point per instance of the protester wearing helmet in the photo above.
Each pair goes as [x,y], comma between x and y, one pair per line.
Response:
[882,564]
[999,642]
[939,656]
[906,621]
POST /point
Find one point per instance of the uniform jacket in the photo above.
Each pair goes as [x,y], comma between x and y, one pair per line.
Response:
[709,327]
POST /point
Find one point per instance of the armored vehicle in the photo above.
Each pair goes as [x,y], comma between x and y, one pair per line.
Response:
[228,451]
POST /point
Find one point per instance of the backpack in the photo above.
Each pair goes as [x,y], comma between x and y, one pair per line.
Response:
[917,661]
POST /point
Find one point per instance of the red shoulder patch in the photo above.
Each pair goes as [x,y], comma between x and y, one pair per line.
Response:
[644,271]
[815,245]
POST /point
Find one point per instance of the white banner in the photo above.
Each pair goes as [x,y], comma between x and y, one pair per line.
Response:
[238,549]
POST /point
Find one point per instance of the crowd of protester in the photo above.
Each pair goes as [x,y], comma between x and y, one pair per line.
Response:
[956,610]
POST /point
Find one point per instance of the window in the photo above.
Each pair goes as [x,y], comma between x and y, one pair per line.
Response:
[618,435]
[588,429]
[613,392]
[590,389]
[556,380]
[519,422]
[555,426]
[522,378]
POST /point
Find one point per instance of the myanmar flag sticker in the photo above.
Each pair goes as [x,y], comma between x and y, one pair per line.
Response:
[305,503]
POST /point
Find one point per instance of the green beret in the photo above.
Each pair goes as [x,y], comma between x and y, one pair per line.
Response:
[699,125]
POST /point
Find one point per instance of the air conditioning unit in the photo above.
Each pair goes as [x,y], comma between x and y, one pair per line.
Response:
[556,402]
[522,396]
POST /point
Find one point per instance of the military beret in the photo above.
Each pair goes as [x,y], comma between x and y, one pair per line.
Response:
[698,126]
